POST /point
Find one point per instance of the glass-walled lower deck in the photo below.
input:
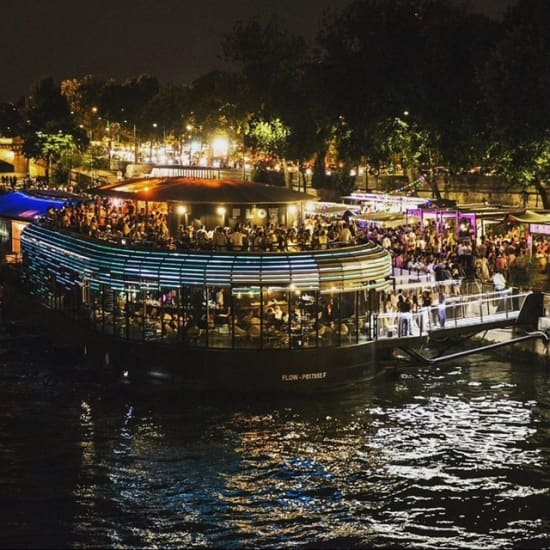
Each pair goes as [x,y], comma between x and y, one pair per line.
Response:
[231,318]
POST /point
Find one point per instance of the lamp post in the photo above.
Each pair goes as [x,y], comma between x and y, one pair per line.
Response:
[109,142]
[189,128]
[155,125]
[163,149]
[92,124]
[123,112]
[135,145]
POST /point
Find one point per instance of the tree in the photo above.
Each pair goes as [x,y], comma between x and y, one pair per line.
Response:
[125,103]
[50,126]
[166,112]
[54,147]
[385,59]
[217,102]
[83,96]
[276,82]
[46,108]
[11,121]
[526,163]
[414,148]
[269,138]
[268,57]
[516,90]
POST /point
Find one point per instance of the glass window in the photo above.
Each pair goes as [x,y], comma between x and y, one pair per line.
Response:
[276,325]
[328,317]
[121,314]
[152,318]
[135,312]
[246,317]
[302,320]
[196,327]
[108,307]
[96,310]
[219,333]
[170,314]
[347,324]
[364,314]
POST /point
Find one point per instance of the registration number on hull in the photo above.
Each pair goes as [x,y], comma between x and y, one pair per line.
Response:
[303,376]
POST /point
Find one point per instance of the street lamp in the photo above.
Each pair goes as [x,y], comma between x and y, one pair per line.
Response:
[191,143]
[155,125]
[92,123]
[135,136]
[220,148]
[109,142]
[244,167]
[135,144]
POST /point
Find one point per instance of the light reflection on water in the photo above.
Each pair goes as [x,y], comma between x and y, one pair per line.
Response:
[453,457]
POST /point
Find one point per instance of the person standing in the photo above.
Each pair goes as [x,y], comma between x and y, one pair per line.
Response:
[425,308]
[345,235]
[499,281]
[484,272]
[500,285]
[442,309]
[404,309]
[236,238]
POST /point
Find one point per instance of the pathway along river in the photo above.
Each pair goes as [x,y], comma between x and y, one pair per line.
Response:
[453,456]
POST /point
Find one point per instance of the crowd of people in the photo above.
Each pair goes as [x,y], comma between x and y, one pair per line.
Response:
[426,248]
[105,220]
[429,250]
[9,182]
[12,182]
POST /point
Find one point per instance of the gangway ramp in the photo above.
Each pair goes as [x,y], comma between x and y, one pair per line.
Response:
[523,314]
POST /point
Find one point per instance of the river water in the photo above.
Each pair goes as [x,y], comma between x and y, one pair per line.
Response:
[448,456]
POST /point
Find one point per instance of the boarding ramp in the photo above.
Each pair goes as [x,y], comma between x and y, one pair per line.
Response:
[483,311]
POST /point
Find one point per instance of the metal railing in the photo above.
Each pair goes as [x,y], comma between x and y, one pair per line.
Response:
[460,311]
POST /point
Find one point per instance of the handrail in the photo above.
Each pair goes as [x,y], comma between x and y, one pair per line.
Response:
[461,311]
[439,359]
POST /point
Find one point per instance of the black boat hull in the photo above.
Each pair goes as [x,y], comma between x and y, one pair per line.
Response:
[234,370]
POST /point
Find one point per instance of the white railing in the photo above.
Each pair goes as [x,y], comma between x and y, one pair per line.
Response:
[460,311]
[404,279]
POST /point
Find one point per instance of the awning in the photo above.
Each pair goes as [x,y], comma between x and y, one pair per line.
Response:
[196,190]
[334,209]
[528,216]
[382,219]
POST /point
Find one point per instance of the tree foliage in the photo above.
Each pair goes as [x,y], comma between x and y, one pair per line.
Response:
[269,136]
[48,116]
[516,90]
[419,83]
[12,123]
[54,147]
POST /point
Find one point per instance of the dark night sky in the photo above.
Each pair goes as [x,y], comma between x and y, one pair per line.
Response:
[174,40]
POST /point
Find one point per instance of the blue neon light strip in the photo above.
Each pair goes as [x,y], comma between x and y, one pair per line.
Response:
[21,206]
[102,263]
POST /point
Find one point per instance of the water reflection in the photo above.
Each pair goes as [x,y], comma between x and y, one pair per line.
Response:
[453,456]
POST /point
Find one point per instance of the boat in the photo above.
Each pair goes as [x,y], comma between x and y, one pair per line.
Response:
[199,317]
[226,320]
